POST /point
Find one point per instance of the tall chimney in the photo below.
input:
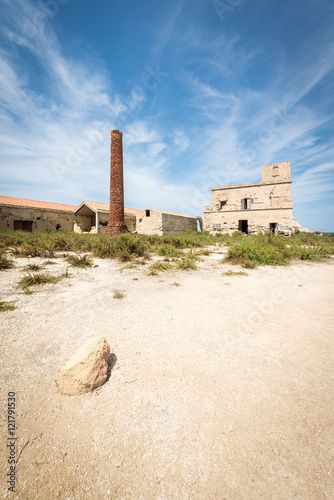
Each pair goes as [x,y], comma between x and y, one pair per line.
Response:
[116,222]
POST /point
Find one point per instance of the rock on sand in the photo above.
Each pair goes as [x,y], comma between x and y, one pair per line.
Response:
[87,369]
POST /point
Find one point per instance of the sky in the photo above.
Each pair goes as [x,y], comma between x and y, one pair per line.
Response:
[204,91]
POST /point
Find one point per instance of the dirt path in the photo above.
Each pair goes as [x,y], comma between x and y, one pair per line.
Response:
[222,388]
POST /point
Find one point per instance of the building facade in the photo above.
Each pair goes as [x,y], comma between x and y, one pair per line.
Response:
[255,207]
[160,222]
[32,215]
[91,217]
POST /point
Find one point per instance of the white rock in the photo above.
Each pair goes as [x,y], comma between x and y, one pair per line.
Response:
[87,368]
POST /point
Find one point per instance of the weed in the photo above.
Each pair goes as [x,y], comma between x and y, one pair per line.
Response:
[152,273]
[249,264]
[33,267]
[66,274]
[5,262]
[80,261]
[131,265]
[49,263]
[7,306]
[134,279]
[175,284]
[160,266]
[235,273]
[186,263]
[168,250]
[38,279]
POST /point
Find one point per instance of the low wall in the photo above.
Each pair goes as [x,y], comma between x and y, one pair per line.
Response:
[177,223]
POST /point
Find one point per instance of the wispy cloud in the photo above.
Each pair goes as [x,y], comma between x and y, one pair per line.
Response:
[211,122]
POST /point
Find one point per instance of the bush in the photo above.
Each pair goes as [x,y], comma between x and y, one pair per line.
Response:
[186,263]
[7,306]
[5,262]
[159,266]
[80,261]
[168,250]
[33,267]
[267,249]
[38,279]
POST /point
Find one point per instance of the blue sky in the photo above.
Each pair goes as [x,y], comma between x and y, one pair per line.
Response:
[204,91]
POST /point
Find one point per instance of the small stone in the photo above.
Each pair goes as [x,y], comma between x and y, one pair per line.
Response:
[87,369]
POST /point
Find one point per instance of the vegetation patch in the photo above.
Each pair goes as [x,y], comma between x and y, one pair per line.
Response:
[83,261]
[5,262]
[186,264]
[168,250]
[267,249]
[39,279]
[159,266]
[33,267]
[235,273]
[7,306]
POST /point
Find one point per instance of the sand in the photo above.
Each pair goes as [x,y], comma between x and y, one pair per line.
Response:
[221,387]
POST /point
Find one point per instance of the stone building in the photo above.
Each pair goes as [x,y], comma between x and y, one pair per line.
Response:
[92,217]
[32,215]
[255,207]
[89,216]
[160,222]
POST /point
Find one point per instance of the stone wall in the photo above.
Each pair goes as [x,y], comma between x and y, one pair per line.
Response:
[150,222]
[176,223]
[157,222]
[42,219]
[262,196]
[257,221]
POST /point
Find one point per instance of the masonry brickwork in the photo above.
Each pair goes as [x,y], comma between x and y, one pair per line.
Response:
[116,213]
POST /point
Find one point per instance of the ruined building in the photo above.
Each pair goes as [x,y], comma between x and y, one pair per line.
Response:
[254,207]
[32,215]
[92,217]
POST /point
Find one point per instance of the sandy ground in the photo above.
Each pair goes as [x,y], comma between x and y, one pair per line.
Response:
[221,388]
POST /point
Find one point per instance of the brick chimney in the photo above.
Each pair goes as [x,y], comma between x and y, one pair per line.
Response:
[116,222]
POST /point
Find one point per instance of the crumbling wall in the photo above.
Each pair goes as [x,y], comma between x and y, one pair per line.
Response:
[258,221]
[262,196]
[150,222]
[274,172]
[42,219]
[130,221]
[172,223]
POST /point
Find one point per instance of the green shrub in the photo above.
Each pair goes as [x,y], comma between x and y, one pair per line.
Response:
[7,306]
[186,263]
[168,250]
[5,262]
[33,267]
[267,249]
[38,279]
[159,266]
[80,261]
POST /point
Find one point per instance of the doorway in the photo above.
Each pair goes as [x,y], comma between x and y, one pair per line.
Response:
[243,226]
[23,225]
[273,227]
